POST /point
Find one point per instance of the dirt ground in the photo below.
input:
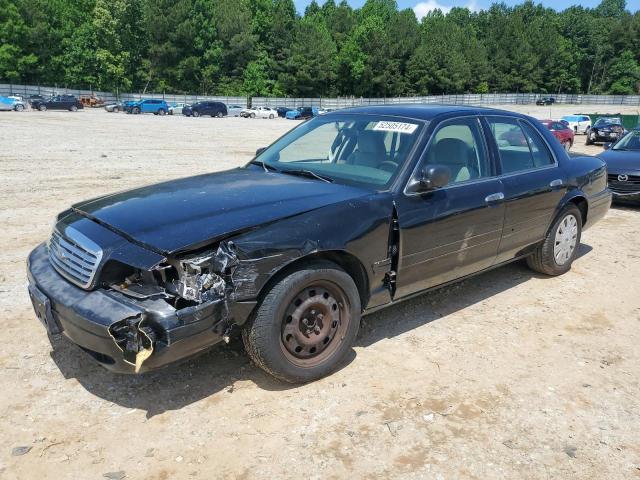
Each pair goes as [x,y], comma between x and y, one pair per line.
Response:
[508,375]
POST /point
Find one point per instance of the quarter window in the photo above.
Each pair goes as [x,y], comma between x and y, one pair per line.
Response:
[459,146]
[521,148]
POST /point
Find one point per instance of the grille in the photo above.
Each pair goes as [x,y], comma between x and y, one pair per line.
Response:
[74,256]
[631,185]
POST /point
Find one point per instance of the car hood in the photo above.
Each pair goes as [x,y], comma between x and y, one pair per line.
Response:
[190,212]
[621,160]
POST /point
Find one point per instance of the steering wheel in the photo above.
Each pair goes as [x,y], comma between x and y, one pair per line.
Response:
[388,166]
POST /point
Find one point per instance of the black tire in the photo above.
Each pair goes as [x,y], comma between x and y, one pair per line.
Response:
[42,108]
[543,259]
[588,140]
[253,115]
[135,110]
[219,115]
[19,107]
[273,335]
[162,111]
[115,110]
[271,116]
[73,108]
[196,113]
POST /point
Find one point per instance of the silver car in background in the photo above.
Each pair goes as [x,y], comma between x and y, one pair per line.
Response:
[234,110]
[12,103]
[176,108]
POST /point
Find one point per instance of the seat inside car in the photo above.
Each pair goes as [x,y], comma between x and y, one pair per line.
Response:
[456,155]
[371,151]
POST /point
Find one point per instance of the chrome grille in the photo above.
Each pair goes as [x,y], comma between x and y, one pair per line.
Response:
[74,256]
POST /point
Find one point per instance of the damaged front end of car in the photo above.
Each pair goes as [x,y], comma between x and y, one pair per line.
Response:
[193,292]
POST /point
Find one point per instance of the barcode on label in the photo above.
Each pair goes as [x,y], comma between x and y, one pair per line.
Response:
[400,127]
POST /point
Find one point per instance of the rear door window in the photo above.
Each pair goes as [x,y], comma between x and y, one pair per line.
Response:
[520,147]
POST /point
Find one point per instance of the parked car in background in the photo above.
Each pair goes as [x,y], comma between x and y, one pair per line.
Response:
[12,103]
[234,110]
[579,123]
[259,112]
[546,101]
[148,105]
[59,102]
[623,166]
[34,98]
[210,108]
[338,218]
[282,111]
[605,129]
[177,108]
[562,132]
[302,113]
[114,107]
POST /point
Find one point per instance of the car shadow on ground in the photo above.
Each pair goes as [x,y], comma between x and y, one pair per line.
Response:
[221,367]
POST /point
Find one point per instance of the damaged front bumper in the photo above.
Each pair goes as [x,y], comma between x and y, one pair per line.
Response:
[124,334]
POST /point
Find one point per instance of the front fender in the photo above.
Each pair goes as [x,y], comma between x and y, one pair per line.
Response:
[358,229]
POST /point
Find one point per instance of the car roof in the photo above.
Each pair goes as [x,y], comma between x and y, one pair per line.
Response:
[425,112]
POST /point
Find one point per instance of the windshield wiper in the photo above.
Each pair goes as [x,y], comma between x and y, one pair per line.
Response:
[308,174]
[264,165]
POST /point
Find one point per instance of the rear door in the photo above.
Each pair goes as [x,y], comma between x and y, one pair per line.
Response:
[455,230]
[532,180]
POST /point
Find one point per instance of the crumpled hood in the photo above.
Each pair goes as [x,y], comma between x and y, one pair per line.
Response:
[621,160]
[191,211]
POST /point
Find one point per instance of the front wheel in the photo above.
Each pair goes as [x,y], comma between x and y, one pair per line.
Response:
[306,324]
[219,115]
[271,116]
[253,115]
[19,107]
[135,110]
[73,108]
[116,109]
[560,246]
[42,108]
[196,113]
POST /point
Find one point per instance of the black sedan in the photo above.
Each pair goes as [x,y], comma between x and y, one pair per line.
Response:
[212,109]
[546,101]
[348,213]
[605,129]
[623,165]
[59,102]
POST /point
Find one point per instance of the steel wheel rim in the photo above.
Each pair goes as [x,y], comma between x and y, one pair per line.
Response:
[566,239]
[314,323]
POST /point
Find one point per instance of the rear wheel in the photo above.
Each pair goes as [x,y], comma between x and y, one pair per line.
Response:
[162,111]
[42,108]
[219,115]
[253,115]
[559,248]
[116,109]
[271,116]
[196,113]
[73,108]
[19,107]
[306,324]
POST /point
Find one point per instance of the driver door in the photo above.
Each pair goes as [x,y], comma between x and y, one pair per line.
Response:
[455,230]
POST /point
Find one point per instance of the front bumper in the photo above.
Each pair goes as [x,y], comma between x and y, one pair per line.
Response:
[85,318]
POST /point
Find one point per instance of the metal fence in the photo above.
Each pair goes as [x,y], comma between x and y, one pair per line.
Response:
[334,103]
[463,99]
[46,91]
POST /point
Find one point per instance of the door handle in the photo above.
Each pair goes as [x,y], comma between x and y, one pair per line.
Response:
[494,197]
[556,183]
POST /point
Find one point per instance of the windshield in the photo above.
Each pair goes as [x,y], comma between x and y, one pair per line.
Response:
[605,121]
[631,141]
[360,149]
[571,118]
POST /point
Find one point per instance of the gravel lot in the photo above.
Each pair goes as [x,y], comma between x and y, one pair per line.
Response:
[507,375]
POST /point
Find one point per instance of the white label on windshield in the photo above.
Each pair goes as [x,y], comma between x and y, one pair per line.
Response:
[396,127]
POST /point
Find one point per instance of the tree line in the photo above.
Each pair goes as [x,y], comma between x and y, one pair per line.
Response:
[266,48]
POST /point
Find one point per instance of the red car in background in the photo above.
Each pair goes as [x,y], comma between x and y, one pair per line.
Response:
[562,132]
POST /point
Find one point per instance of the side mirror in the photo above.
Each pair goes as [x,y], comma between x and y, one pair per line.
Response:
[434,176]
[260,150]
[607,145]
[431,178]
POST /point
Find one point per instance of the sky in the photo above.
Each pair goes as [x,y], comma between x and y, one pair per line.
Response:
[421,7]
